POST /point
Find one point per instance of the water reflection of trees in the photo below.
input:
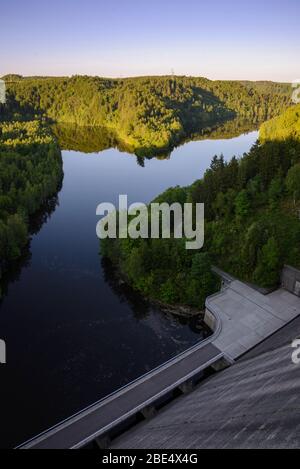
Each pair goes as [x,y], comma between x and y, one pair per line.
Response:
[97,139]
[141,307]
[36,222]
[86,139]
[224,130]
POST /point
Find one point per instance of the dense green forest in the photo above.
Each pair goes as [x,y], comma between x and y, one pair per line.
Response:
[252,226]
[147,114]
[287,125]
[30,172]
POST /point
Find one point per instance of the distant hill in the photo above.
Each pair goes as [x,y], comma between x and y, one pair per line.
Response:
[287,125]
[148,114]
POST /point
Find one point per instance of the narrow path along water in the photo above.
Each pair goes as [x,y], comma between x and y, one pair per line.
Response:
[73,333]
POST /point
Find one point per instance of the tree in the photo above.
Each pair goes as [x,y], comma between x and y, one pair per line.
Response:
[202,282]
[268,269]
[224,203]
[275,192]
[242,204]
[293,182]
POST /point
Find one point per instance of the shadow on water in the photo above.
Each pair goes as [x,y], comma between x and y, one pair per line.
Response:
[36,222]
[142,308]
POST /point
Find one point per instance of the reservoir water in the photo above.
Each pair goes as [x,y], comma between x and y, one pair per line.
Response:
[74,333]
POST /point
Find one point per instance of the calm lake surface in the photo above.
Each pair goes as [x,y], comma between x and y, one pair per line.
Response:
[73,333]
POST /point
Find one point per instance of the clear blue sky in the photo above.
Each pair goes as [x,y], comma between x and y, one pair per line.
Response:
[255,39]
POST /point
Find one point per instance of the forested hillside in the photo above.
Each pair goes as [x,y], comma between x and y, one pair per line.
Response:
[148,114]
[252,228]
[287,125]
[30,171]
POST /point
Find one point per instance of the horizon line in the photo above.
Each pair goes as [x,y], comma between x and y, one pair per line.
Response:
[145,76]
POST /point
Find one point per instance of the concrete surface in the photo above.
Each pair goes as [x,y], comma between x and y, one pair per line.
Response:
[253,404]
[248,317]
